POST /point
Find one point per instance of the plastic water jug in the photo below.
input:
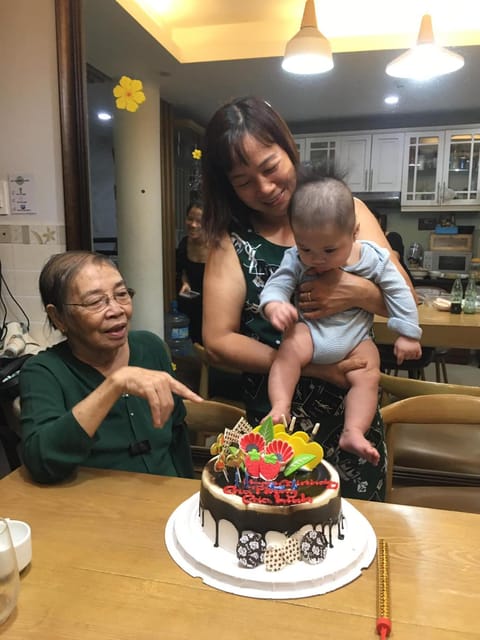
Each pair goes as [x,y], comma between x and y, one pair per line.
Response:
[177,332]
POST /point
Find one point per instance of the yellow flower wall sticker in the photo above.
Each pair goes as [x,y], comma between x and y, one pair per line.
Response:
[197,154]
[129,94]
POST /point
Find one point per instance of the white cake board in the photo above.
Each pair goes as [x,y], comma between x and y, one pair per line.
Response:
[194,552]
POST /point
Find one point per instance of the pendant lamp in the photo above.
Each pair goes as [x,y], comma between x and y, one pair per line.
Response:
[426,59]
[308,52]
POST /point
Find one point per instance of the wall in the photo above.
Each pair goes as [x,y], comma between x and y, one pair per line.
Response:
[29,117]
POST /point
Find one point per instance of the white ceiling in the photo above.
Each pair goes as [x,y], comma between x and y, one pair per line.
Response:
[352,91]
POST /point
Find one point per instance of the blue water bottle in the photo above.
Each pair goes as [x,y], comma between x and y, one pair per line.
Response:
[177,332]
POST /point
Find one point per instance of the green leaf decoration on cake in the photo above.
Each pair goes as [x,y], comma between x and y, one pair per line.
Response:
[297,462]
[271,458]
[253,454]
[266,429]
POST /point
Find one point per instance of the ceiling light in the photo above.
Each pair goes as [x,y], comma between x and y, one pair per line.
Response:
[308,52]
[391,100]
[426,60]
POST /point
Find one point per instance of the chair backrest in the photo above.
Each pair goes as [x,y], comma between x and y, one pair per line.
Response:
[204,365]
[444,409]
[397,388]
[210,416]
[204,382]
[205,419]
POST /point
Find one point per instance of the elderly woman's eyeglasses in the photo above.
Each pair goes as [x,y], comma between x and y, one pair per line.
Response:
[123,297]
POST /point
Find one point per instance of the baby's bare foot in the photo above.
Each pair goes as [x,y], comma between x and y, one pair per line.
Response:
[353,441]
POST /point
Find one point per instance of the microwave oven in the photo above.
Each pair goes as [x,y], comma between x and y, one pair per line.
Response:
[447,261]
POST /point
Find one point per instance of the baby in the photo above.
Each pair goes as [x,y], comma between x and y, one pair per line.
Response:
[322,217]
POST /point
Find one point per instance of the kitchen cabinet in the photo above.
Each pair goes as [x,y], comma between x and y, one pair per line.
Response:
[369,161]
[461,172]
[300,142]
[372,161]
[319,150]
[441,170]
[436,169]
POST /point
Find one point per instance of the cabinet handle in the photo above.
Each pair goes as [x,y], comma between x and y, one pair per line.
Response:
[371,180]
[439,200]
[366,180]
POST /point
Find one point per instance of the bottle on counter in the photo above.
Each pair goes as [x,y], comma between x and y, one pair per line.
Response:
[177,332]
[456,296]
[475,268]
[470,302]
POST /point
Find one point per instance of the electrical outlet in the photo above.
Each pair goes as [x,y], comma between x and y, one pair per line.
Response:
[5,235]
[16,234]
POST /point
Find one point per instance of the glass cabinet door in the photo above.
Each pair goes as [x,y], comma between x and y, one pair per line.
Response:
[461,175]
[421,183]
[321,151]
[300,142]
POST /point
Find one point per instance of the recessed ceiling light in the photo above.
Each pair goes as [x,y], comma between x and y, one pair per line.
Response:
[103,115]
[391,100]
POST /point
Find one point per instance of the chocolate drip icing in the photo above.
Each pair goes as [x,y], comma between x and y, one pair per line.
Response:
[262,518]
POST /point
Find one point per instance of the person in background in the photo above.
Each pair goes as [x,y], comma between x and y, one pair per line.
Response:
[191,256]
[248,169]
[395,241]
[105,396]
[322,216]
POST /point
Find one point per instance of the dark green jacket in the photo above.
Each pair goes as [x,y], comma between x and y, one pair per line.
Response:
[54,444]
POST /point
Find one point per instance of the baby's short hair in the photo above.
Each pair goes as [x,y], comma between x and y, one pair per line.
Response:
[321,199]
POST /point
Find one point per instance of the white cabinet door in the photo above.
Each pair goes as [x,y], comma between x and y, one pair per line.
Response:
[354,160]
[300,142]
[422,168]
[460,185]
[372,162]
[441,170]
[386,162]
[322,151]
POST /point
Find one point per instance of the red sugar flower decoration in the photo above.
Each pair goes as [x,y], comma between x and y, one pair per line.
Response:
[252,441]
[283,451]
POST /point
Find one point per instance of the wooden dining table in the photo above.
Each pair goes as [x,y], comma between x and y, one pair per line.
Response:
[440,329]
[101,570]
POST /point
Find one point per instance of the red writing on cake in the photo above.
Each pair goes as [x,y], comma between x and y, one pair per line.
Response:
[282,494]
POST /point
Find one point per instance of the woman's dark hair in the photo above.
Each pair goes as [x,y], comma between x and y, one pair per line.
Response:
[224,146]
[59,271]
[194,204]
[395,240]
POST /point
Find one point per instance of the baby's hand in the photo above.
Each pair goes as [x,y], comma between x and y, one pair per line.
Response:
[406,349]
[282,315]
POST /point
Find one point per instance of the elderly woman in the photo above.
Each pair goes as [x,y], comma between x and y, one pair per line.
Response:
[103,397]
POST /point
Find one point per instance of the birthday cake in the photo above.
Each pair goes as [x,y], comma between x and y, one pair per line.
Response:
[268,496]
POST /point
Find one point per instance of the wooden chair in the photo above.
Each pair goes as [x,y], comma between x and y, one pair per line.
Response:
[444,466]
[205,419]
[10,433]
[395,388]
[416,368]
[204,383]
